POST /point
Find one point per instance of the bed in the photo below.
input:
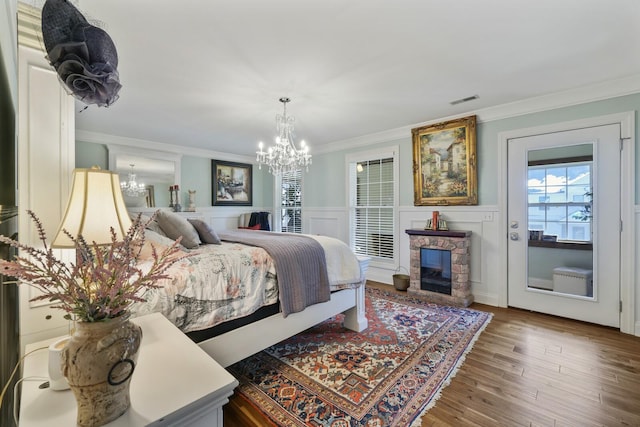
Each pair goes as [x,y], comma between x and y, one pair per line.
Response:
[227,296]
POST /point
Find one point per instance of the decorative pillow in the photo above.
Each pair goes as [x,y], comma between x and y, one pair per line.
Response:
[252,227]
[157,238]
[206,233]
[153,225]
[175,226]
[143,218]
[158,241]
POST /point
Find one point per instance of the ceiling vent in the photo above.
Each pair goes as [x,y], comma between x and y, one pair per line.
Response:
[467,99]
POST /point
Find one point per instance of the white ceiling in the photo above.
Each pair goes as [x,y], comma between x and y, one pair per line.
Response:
[208,74]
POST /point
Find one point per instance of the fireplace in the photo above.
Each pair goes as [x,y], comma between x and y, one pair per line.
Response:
[439,268]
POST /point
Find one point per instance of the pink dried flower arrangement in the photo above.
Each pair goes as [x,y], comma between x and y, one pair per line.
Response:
[103,282]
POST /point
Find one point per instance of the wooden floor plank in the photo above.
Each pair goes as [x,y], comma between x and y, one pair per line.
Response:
[529,369]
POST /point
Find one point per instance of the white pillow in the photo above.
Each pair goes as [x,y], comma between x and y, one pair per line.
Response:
[159,242]
[157,238]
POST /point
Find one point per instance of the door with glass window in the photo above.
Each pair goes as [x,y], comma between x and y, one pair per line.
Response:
[564,224]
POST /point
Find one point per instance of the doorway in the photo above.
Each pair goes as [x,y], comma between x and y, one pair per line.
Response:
[564,221]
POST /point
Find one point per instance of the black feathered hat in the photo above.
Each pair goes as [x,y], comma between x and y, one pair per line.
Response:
[83,55]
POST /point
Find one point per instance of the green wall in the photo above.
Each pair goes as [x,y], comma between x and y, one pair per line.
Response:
[195,175]
[488,135]
[325,183]
[89,154]
[542,261]
[263,183]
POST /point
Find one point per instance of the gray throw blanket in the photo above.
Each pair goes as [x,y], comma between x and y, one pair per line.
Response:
[301,267]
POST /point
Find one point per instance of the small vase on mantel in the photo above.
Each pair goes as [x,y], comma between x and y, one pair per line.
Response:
[98,362]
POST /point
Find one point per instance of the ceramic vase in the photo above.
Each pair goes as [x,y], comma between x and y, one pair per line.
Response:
[98,363]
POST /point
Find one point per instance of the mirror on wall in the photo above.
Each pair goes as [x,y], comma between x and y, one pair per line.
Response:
[157,170]
[559,214]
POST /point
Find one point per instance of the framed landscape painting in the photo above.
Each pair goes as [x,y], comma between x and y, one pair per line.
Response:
[444,163]
[231,183]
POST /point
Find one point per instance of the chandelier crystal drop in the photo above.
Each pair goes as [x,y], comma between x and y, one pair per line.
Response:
[131,187]
[284,156]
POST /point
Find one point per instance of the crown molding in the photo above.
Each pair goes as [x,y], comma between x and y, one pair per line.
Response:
[9,48]
[604,90]
[106,139]
[29,26]
[582,95]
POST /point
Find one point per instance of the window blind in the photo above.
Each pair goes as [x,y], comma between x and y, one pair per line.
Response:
[291,202]
[372,216]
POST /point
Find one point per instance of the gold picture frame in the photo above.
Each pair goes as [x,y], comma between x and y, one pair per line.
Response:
[444,163]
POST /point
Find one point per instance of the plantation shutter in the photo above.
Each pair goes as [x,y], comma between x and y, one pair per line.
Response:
[373,213]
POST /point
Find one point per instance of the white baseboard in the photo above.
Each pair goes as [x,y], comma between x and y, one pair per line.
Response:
[380,275]
[486,299]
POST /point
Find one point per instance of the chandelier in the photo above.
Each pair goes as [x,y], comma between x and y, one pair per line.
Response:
[284,156]
[131,187]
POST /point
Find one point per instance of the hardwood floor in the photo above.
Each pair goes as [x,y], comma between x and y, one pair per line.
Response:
[530,369]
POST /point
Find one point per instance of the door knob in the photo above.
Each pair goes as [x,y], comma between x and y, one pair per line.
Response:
[514,236]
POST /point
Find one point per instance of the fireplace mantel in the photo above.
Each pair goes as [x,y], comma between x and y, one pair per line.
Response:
[458,242]
[443,233]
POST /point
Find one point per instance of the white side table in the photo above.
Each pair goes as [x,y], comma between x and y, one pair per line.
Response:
[175,384]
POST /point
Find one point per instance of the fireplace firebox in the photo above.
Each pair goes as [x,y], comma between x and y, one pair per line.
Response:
[439,268]
[435,270]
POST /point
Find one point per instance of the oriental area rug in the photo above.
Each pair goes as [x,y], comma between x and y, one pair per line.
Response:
[388,375]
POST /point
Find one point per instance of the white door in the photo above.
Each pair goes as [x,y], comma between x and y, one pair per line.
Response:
[565,184]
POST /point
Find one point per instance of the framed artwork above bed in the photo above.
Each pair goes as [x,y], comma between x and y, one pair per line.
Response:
[231,183]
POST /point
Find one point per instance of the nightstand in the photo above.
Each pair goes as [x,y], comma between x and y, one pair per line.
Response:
[175,384]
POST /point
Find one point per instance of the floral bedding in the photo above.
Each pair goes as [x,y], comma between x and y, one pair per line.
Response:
[214,284]
[222,282]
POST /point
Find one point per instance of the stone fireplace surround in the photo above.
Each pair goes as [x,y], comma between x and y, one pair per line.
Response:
[459,243]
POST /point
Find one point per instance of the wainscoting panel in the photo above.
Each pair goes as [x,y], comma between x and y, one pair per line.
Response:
[482,221]
[218,218]
[227,218]
[326,222]
[46,156]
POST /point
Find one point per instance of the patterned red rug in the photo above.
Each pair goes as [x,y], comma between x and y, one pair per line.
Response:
[388,375]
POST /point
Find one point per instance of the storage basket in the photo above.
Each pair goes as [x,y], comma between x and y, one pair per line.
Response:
[572,280]
[401,281]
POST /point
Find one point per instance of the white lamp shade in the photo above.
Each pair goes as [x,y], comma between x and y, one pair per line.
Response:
[95,205]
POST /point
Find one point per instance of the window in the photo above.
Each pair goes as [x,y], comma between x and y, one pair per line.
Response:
[559,199]
[373,201]
[291,202]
